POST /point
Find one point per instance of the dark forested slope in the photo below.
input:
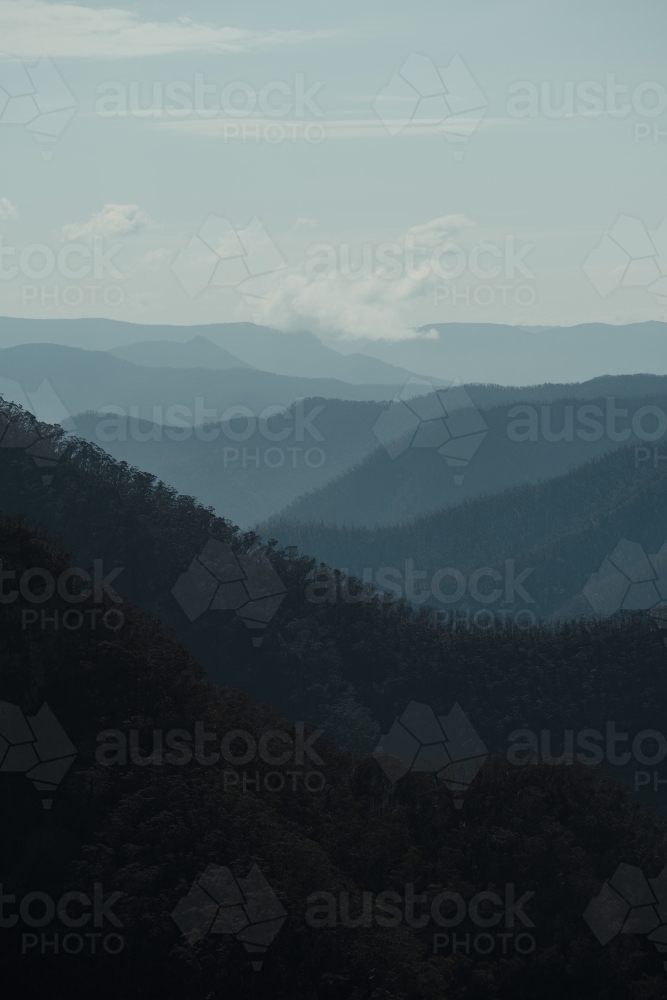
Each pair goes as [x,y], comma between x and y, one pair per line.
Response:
[138,831]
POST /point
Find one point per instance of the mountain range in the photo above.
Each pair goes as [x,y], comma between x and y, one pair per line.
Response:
[555,537]
[244,477]
[349,477]
[320,459]
[443,352]
[516,355]
[300,355]
[521,441]
[196,353]
[89,380]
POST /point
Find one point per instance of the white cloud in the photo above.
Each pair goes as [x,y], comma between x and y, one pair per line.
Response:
[304,223]
[368,297]
[34,28]
[155,260]
[336,308]
[437,232]
[113,220]
[7,210]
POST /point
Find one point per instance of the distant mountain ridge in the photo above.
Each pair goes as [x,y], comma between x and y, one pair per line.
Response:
[383,490]
[515,355]
[87,380]
[300,355]
[470,352]
[196,353]
[251,480]
[557,535]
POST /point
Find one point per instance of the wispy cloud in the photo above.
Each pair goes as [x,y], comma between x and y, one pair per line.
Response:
[364,303]
[438,231]
[112,220]
[304,223]
[7,210]
[155,260]
[34,28]
[240,129]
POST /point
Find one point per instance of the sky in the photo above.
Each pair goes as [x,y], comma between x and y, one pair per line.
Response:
[359,171]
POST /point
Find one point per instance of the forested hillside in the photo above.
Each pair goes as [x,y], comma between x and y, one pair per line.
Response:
[135,832]
[559,530]
[522,443]
[331,652]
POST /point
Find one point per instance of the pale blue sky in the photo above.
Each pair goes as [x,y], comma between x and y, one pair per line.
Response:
[555,184]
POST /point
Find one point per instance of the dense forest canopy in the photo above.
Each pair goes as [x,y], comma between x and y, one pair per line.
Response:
[166,777]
